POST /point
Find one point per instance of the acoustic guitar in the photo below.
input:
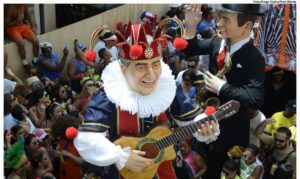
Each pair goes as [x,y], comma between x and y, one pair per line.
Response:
[158,143]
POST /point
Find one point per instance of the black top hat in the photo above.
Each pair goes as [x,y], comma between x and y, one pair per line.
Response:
[252,9]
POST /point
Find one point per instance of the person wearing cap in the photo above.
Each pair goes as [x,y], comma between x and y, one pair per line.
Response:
[77,67]
[108,40]
[245,79]
[121,26]
[173,10]
[138,89]
[17,30]
[286,118]
[148,17]
[48,61]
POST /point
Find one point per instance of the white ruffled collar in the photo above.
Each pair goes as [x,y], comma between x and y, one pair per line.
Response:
[119,92]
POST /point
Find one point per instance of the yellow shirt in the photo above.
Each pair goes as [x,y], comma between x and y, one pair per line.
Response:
[281,121]
[293,130]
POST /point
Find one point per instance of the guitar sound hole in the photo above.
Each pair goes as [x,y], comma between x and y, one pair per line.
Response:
[151,150]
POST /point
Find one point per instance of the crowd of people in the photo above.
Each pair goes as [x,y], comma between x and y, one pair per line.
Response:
[122,91]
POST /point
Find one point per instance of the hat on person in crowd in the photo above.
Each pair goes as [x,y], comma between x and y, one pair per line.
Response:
[34,82]
[81,47]
[236,152]
[174,5]
[147,16]
[15,157]
[46,47]
[45,44]
[120,25]
[91,55]
[291,106]
[143,44]
[108,36]
[252,9]
[40,133]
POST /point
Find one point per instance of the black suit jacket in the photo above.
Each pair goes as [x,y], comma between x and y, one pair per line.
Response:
[245,83]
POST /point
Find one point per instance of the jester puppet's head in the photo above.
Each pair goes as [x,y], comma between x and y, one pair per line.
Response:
[140,56]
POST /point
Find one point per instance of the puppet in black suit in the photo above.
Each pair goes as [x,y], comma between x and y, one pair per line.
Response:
[244,82]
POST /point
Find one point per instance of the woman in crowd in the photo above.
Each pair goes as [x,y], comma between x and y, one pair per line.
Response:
[77,67]
[62,94]
[250,166]
[53,112]
[192,158]
[230,170]
[89,88]
[41,165]
[186,89]
[39,102]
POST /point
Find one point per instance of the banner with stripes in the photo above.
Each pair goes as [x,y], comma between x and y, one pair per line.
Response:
[276,36]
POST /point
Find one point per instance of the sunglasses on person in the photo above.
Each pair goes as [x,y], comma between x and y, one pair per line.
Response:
[191,66]
[278,140]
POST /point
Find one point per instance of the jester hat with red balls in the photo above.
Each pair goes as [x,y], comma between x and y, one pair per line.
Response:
[143,44]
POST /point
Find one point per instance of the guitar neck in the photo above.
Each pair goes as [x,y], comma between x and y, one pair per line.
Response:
[226,110]
[182,132]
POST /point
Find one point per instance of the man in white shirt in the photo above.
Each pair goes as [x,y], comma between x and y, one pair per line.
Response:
[109,42]
[191,63]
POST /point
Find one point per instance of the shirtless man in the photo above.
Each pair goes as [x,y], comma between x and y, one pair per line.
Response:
[19,25]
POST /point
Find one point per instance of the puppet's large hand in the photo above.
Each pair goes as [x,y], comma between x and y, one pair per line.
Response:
[193,16]
[136,162]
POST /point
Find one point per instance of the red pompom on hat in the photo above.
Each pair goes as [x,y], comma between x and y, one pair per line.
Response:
[180,43]
[90,55]
[210,110]
[136,50]
[120,25]
[71,133]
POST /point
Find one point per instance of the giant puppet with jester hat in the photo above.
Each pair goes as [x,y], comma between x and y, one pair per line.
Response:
[138,90]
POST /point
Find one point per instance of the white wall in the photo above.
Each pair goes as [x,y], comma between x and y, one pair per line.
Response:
[81,30]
